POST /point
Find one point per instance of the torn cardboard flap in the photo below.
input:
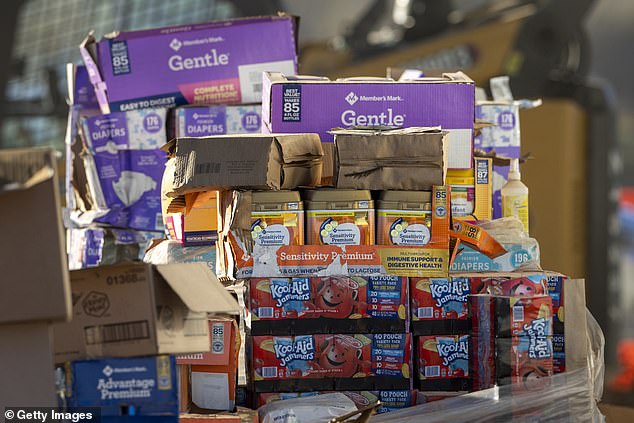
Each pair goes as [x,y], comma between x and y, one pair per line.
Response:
[252,161]
[22,169]
[198,287]
[400,159]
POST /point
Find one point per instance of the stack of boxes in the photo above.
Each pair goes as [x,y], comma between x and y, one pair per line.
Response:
[336,221]
[138,91]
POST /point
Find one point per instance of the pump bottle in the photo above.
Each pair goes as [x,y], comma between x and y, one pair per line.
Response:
[515,195]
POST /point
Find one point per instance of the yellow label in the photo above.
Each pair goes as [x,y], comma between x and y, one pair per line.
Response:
[163,372]
[332,213]
[415,262]
[516,205]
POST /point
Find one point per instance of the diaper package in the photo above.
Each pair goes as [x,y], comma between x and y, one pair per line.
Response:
[92,247]
[124,167]
[205,121]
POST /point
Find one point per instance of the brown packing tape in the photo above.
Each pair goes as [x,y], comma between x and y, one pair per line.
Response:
[575,324]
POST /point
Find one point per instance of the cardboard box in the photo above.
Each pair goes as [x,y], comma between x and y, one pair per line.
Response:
[335,304]
[331,260]
[440,306]
[26,364]
[138,309]
[196,222]
[211,63]
[36,283]
[413,159]
[214,374]
[252,161]
[242,415]
[503,138]
[184,383]
[329,362]
[124,387]
[442,362]
[205,121]
[305,104]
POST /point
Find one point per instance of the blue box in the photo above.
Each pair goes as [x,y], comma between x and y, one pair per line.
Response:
[136,389]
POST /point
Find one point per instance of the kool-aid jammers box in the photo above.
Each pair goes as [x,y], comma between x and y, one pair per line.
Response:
[556,291]
[211,63]
[125,389]
[440,305]
[329,362]
[390,400]
[524,360]
[443,362]
[518,316]
[335,304]
[205,121]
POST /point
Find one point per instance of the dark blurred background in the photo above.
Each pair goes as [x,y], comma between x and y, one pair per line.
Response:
[575,54]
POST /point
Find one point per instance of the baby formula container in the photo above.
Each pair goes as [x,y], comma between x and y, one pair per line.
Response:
[339,217]
[277,218]
[404,218]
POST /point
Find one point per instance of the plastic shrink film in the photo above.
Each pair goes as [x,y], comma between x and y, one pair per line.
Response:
[566,397]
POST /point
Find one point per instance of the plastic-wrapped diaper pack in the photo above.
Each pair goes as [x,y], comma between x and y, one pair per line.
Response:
[91,247]
[124,166]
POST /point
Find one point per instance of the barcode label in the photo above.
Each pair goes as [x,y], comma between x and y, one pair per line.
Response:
[265,312]
[425,312]
[518,313]
[257,88]
[158,223]
[210,167]
[269,372]
[117,332]
[195,327]
[432,371]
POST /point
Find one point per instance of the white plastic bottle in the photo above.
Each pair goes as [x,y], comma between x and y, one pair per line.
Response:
[515,195]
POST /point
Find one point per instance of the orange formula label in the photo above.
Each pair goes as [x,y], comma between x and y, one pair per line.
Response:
[343,227]
[407,228]
[277,228]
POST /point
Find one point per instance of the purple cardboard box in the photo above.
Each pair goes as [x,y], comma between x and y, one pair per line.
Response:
[211,63]
[305,104]
[503,138]
[205,121]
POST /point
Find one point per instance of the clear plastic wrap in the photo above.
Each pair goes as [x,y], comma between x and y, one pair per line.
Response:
[314,409]
[170,251]
[565,397]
